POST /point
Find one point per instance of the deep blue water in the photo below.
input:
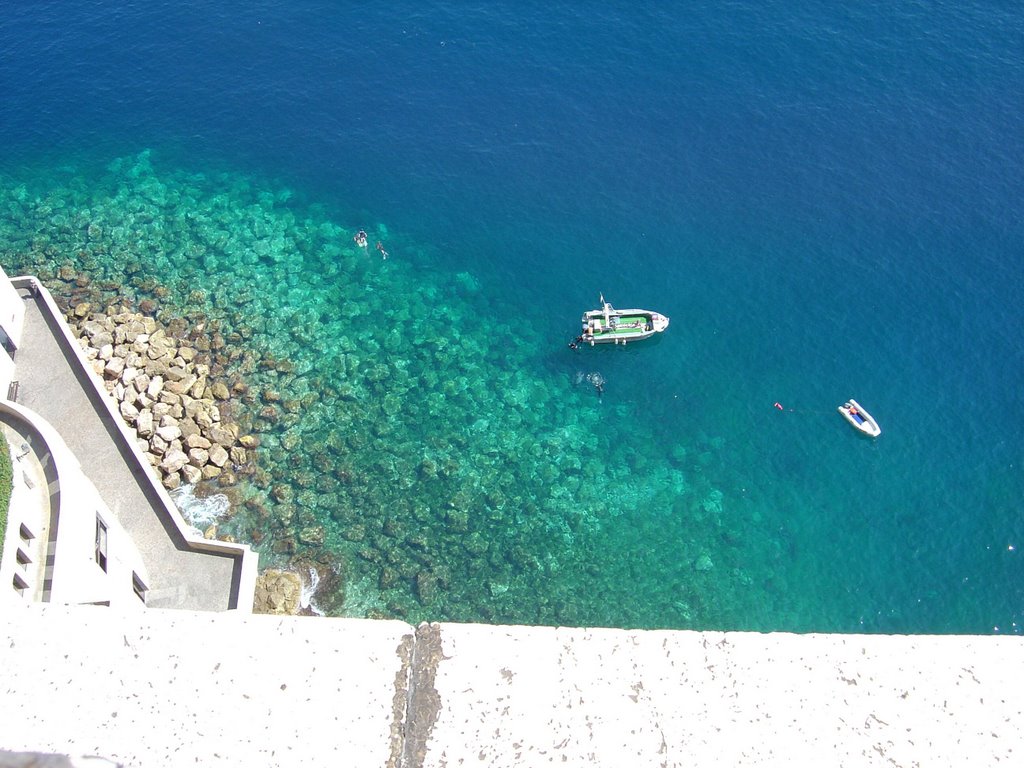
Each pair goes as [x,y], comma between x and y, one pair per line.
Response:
[825,199]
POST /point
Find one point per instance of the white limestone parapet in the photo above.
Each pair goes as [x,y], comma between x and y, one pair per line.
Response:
[175,688]
[601,697]
[170,688]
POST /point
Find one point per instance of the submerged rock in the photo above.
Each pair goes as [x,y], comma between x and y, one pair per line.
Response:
[426,587]
[703,563]
[312,535]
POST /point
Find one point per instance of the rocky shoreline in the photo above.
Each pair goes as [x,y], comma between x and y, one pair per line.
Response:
[160,376]
[165,393]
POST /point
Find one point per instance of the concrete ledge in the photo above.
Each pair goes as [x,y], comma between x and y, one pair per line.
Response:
[173,688]
[169,688]
[533,696]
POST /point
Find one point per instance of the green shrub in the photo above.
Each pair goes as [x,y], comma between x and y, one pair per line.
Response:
[5,486]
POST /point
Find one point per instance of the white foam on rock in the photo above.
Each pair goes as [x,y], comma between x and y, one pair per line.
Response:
[199,512]
[309,591]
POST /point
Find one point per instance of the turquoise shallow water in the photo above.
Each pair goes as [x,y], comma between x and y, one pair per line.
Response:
[823,202]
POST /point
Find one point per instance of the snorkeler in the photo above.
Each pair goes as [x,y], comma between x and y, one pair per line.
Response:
[360,238]
[380,247]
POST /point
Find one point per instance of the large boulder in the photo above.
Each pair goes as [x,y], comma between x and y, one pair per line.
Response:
[129,375]
[144,424]
[198,457]
[114,368]
[278,592]
[191,474]
[210,471]
[189,428]
[169,433]
[195,440]
[222,435]
[129,412]
[173,461]
[91,328]
[218,455]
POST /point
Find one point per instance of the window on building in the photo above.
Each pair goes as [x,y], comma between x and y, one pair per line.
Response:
[139,586]
[101,543]
[23,559]
[7,343]
[20,585]
[26,534]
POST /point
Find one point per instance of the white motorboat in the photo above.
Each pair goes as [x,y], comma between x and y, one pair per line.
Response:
[608,325]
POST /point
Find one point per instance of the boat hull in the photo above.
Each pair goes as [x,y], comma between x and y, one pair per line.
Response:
[859,419]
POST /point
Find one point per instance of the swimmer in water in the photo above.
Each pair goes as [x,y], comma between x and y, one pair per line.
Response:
[380,247]
[360,238]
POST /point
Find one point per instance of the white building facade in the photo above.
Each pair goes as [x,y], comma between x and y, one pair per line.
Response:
[62,543]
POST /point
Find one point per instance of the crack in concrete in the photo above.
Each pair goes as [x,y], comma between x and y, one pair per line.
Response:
[400,701]
[416,703]
[424,701]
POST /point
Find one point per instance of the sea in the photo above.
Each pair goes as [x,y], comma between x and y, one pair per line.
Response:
[825,198]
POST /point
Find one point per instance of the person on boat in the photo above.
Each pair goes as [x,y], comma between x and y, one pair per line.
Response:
[380,247]
[853,411]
